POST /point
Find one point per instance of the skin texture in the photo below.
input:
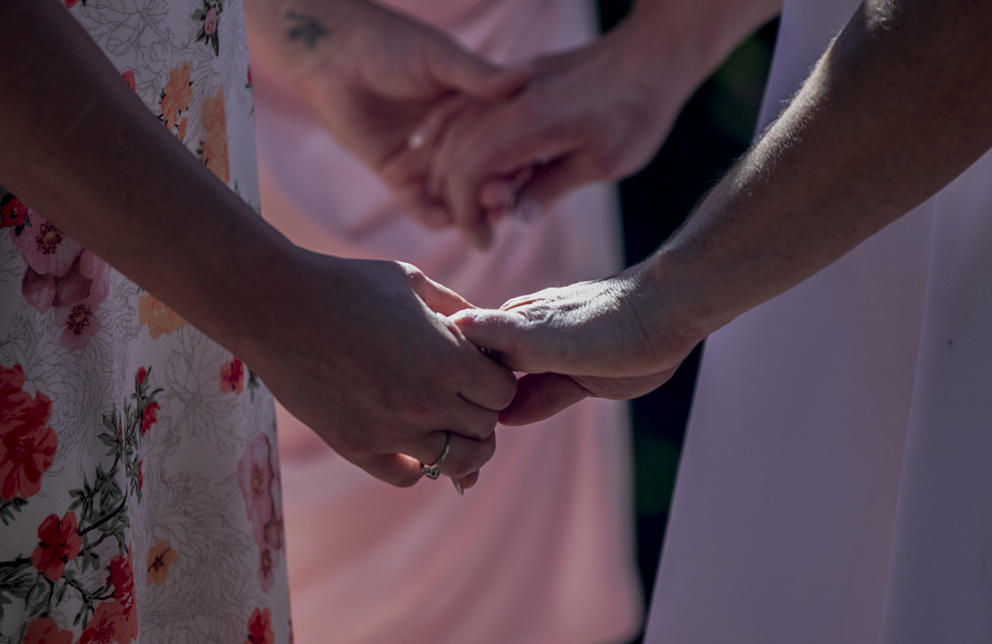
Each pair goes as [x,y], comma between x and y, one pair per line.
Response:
[372,364]
[890,115]
[596,113]
[372,76]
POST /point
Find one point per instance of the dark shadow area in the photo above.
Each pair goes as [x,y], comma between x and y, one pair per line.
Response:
[712,131]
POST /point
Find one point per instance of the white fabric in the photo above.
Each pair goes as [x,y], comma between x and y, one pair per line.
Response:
[835,481]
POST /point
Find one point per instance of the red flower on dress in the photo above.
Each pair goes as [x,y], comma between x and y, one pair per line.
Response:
[110,624]
[44,630]
[232,376]
[210,22]
[60,543]
[115,621]
[140,376]
[149,416]
[13,212]
[128,77]
[27,443]
[69,4]
[260,627]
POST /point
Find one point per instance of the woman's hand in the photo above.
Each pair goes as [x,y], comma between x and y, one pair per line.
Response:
[372,76]
[363,353]
[610,338]
[596,113]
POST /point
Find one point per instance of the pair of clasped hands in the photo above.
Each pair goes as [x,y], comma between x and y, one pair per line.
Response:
[463,143]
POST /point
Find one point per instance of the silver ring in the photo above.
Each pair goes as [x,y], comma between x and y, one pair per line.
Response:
[433,470]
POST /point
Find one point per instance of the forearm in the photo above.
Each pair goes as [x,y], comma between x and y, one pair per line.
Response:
[695,35]
[297,34]
[82,149]
[891,114]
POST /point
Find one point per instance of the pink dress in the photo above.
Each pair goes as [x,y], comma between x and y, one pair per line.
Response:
[539,551]
[835,484]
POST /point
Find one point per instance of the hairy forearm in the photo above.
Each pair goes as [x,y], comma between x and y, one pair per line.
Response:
[891,114]
[82,149]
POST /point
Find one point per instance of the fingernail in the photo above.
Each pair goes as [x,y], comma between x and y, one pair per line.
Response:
[528,210]
[416,141]
[458,487]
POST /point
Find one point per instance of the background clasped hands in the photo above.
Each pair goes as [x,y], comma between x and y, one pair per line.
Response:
[464,143]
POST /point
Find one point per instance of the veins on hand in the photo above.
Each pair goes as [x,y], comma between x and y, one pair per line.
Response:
[307,29]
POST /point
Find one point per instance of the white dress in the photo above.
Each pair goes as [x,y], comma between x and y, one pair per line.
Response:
[835,484]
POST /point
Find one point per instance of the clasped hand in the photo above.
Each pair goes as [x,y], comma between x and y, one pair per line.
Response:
[461,143]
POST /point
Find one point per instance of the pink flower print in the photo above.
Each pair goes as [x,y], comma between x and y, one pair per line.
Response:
[210,22]
[45,248]
[38,289]
[255,474]
[266,570]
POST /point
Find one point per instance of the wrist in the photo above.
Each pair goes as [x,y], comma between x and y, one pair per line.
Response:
[680,298]
[663,44]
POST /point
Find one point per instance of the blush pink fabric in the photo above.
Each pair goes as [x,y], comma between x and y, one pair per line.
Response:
[835,484]
[541,549]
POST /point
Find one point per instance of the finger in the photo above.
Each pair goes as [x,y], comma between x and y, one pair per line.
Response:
[486,384]
[551,182]
[541,396]
[429,131]
[501,193]
[466,169]
[396,469]
[426,211]
[437,297]
[468,481]
[506,334]
[456,68]
[465,455]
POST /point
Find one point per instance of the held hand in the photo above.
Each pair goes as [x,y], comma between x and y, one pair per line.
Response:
[372,75]
[609,338]
[592,114]
[369,361]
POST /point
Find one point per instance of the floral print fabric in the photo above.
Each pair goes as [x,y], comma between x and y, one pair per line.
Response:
[139,480]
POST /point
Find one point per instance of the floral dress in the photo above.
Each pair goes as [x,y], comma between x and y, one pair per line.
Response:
[139,481]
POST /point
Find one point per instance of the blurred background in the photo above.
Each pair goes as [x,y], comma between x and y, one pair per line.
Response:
[714,129]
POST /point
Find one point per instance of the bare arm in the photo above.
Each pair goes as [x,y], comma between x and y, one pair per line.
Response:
[894,110]
[357,350]
[596,113]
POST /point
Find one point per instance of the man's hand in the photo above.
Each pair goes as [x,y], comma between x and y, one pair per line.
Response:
[610,338]
[363,353]
[372,75]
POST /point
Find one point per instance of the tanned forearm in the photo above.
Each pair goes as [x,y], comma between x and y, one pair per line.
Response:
[82,149]
[894,111]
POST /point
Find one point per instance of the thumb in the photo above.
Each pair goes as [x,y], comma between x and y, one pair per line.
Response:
[504,333]
[437,297]
[551,182]
[456,68]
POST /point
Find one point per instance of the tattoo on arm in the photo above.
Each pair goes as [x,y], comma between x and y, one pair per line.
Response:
[307,29]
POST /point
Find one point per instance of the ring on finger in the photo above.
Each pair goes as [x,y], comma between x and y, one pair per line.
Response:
[433,470]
